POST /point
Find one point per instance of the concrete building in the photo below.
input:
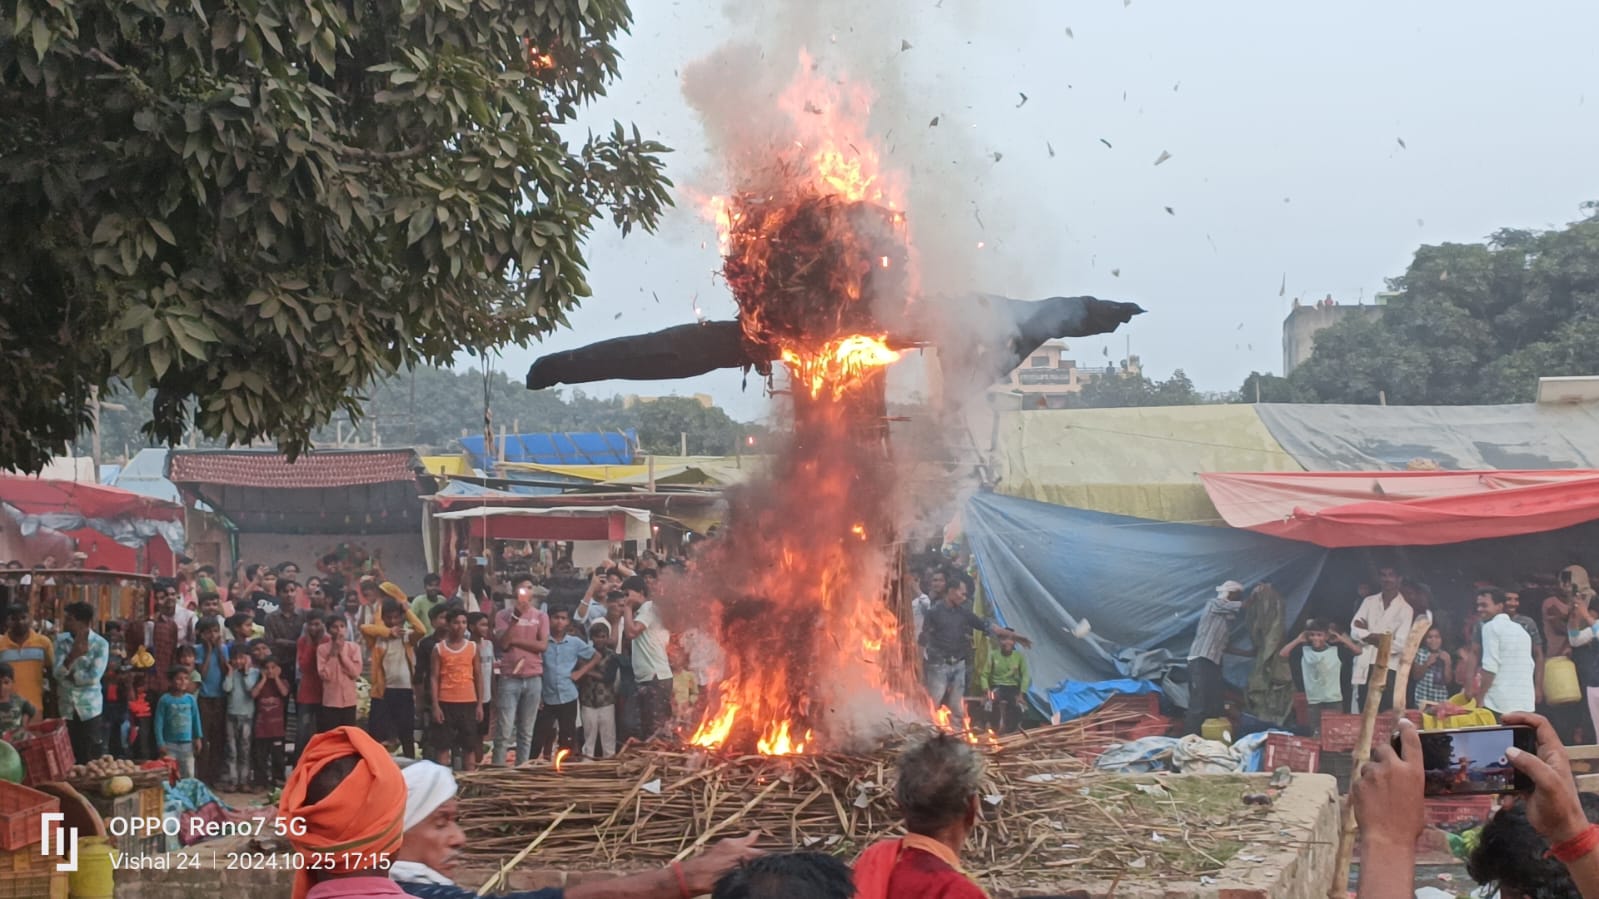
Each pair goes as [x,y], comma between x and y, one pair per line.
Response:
[1047,377]
[1305,321]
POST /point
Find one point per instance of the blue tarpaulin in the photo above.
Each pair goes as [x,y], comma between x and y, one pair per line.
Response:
[562,448]
[1141,584]
[1075,698]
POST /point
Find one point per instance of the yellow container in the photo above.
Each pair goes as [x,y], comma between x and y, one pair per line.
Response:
[1217,729]
[1560,684]
[93,879]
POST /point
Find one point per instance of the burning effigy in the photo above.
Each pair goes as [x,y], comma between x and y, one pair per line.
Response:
[801,593]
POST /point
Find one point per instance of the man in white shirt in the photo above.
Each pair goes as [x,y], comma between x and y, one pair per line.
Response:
[1381,613]
[937,582]
[1505,683]
[642,624]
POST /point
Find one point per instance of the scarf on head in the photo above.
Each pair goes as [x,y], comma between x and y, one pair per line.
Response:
[428,785]
[875,867]
[356,827]
[393,591]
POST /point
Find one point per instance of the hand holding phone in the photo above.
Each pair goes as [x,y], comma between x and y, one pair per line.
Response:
[1472,761]
[1553,808]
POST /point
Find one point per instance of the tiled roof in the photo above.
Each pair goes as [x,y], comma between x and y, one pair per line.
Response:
[268,468]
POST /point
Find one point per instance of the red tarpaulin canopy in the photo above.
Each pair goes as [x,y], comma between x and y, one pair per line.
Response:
[38,496]
[1404,508]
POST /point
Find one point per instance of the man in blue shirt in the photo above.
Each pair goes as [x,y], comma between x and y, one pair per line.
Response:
[81,658]
[562,653]
[1205,655]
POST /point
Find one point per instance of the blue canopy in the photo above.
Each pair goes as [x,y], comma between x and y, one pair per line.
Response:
[1141,584]
[562,448]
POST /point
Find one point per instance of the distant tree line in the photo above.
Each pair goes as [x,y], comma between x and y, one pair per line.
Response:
[1469,323]
[432,408]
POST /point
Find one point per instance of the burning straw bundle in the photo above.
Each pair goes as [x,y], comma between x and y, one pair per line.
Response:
[806,268]
[1046,815]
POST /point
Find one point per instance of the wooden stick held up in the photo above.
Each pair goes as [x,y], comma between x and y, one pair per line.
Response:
[1376,681]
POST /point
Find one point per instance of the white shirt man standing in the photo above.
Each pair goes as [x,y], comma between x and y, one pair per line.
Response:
[1381,613]
[1506,680]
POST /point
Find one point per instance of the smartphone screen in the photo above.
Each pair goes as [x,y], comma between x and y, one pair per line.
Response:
[1470,761]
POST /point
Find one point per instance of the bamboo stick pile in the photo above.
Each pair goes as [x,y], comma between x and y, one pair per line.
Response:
[1046,815]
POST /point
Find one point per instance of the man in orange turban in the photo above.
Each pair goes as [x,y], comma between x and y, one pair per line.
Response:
[344,810]
[937,789]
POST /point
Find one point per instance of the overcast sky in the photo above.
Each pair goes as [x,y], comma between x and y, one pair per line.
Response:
[1283,121]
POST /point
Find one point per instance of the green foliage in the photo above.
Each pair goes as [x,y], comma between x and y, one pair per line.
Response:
[256,208]
[1263,387]
[1114,391]
[433,408]
[1472,323]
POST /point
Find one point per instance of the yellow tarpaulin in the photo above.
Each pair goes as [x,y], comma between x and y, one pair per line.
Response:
[710,471]
[447,465]
[1142,462]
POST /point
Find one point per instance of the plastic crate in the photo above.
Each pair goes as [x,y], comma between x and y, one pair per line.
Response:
[26,874]
[152,802]
[1134,704]
[126,807]
[46,753]
[1294,753]
[20,808]
[1149,726]
[1340,732]
[1449,812]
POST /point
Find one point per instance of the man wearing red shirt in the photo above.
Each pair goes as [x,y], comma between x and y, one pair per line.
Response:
[308,693]
[937,790]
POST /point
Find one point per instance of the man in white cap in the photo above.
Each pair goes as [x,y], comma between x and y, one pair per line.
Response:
[433,841]
[1206,653]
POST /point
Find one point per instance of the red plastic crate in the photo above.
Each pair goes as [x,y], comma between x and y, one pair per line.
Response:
[1295,753]
[1340,732]
[47,752]
[20,808]
[1149,726]
[1447,812]
[1136,704]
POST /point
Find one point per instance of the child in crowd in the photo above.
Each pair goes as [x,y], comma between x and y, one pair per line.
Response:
[241,627]
[338,663]
[271,695]
[211,669]
[308,684]
[557,720]
[596,694]
[422,677]
[1431,671]
[141,736]
[239,685]
[480,626]
[1321,668]
[186,659]
[114,690]
[456,709]
[391,646]
[1004,682]
[16,713]
[177,721]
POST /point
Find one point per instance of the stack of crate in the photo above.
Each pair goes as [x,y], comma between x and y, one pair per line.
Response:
[25,871]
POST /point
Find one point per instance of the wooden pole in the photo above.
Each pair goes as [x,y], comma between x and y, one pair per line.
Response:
[1375,682]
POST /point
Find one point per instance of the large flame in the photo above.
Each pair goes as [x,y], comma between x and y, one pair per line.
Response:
[815,248]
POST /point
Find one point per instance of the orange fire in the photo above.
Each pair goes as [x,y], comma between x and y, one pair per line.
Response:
[815,248]
[560,756]
[838,364]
